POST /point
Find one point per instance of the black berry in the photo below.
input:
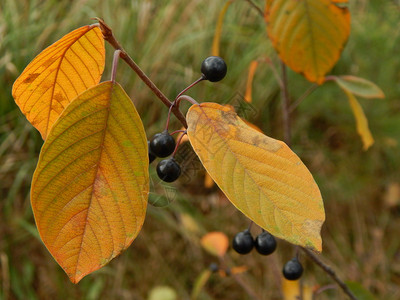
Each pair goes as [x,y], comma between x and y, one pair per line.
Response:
[293,269]
[243,242]
[152,156]
[265,243]
[214,68]
[213,267]
[168,170]
[162,144]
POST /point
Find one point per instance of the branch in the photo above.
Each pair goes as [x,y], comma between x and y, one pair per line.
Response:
[260,12]
[239,280]
[330,272]
[308,92]
[109,37]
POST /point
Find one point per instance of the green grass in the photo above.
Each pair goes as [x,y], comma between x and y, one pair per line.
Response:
[169,39]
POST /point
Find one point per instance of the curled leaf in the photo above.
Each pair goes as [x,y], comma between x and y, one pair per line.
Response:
[261,176]
[249,85]
[218,28]
[90,187]
[361,121]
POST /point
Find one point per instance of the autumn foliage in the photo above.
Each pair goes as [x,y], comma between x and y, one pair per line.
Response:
[90,188]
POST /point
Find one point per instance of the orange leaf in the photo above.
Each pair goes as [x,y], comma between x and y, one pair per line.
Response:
[216,243]
[249,85]
[261,176]
[58,75]
[89,191]
[309,35]
[218,29]
[239,269]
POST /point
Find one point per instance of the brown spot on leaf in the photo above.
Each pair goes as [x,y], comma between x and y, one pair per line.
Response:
[31,77]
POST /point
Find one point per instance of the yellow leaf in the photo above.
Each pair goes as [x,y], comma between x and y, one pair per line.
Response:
[361,121]
[252,70]
[261,176]
[58,75]
[359,86]
[309,35]
[216,243]
[89,191]
[291,290]
[218,29]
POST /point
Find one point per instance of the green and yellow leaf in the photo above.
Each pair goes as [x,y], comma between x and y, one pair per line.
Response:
[309,35]
[359,86]
[89,191]
[58,75]
[261,176]
[200,283]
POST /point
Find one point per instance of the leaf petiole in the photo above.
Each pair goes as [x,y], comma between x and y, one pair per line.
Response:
[175,103]
[187,98]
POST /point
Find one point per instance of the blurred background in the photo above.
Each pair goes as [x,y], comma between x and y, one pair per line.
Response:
[169,40]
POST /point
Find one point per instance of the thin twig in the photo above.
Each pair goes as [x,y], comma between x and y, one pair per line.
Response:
[323,289]
[255,6]
[249,291]
[308,92]
[274,71]
[240,281]
[330,272]
[109,37]
[285,106]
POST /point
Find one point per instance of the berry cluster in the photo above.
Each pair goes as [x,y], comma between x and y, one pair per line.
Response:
[163,144]
[265,244]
